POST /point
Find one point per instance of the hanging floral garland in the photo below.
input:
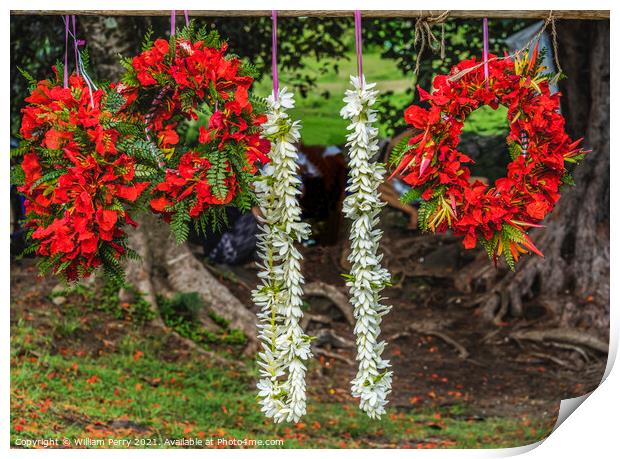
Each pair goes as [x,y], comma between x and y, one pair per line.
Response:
[285,346]
[373,381]
[497,217]
[192,77]
[77,175]
[367,278]
[90,153]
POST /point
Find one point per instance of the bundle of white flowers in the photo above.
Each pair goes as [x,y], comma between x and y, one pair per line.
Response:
[367,278]
[284,345]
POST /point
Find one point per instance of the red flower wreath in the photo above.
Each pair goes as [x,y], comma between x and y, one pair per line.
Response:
[77,179]
[178,80]
[496,216]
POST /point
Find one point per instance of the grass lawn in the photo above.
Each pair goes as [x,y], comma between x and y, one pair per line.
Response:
[320,115]
[137,387]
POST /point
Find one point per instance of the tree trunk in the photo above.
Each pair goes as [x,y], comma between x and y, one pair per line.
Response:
[165,267]
[572,280]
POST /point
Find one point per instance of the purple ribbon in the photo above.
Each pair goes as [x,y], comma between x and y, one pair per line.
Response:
[358,42]
[173,20]
[76,43]
[65,70]
[274,52]
[485,49]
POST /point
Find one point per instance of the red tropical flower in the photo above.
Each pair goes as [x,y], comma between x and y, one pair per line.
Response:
[78,182]
[187,75]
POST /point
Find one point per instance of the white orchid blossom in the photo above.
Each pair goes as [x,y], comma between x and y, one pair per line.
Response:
[367,278]
[284,345]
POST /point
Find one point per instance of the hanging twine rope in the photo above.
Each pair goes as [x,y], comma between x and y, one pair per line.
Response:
[425,37]
[554,41]
[554,38]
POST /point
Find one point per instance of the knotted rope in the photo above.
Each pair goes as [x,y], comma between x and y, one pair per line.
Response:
[550,20]
[425,37]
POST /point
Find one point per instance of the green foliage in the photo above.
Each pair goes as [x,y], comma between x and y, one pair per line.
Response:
[181,312]
[399,151]
[49,177]
[575,159]
[85,56]
[426,209]
[18,177]
[258,102]
[114,101]
[112,266]
[567,179]
[182,305]
[508,235]
[46,265]
[411,195]
[514,150]
[510,261]
[489,245]
[147,41]
[67,327]
[212,219]
[32,83]
[130,76]
[211,38]
[179,224]
[105,298]
[249,69]
[145,152]
[217,173]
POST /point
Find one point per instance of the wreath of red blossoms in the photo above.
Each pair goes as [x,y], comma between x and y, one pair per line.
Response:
[178,80]
[497,216]
[77,181]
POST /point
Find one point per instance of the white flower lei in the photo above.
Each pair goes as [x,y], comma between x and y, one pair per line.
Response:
[373,381]
[284,344]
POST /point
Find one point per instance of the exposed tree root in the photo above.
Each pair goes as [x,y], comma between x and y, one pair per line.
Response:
[332,293]
[320,318]
[562,335]
[571,347]
[550,358]
[332,355]
[328,337]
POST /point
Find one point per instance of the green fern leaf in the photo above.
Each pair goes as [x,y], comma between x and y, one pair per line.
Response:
[411,195]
